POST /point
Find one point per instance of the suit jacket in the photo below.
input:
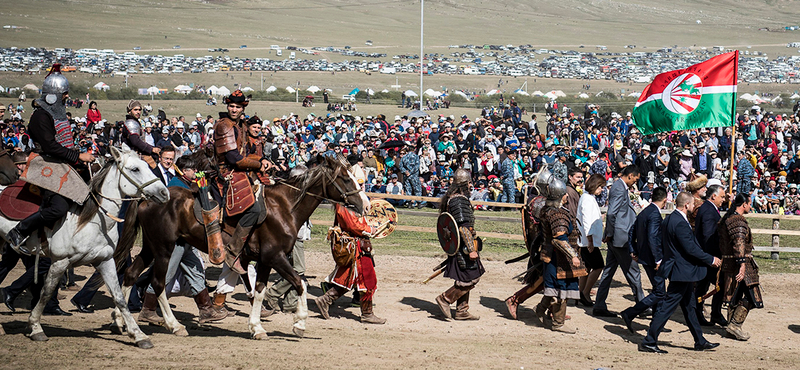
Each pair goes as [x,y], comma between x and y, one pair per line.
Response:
[705,224]
[684,260]
[620,216]
[644,238]
[160,175]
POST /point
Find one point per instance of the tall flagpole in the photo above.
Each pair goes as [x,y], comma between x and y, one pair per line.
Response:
[421,53]
[733,122]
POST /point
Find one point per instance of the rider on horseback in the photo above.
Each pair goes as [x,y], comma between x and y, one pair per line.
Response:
[51,134]
[230,140]
[132,132]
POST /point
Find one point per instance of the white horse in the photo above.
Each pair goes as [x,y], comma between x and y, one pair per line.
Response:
[88,235]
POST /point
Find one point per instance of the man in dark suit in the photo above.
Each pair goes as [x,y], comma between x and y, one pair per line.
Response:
[164,170]
[706,231]
[683,264]
[701,162]
[644,241]
[619,219]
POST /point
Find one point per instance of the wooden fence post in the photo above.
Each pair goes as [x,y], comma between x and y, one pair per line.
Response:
[776,239]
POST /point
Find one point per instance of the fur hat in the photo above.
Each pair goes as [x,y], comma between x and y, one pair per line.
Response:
[697,183]
[237,97]
[133,104]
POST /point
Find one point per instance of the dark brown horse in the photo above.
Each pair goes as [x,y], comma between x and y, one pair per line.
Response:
[8,171]
[289,204]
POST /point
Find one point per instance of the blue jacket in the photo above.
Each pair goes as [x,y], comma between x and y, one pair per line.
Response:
[705,228]
[684,260]
[644,238]
[410,163]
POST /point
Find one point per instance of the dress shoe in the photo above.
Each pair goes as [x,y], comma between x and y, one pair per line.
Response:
[81,307]
[628,320]
[705,346]
[647,312]
[651,349]
[56,312]
[602,313]
[8,300]
[719,320]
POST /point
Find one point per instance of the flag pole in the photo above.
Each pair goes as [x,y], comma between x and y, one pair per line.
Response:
[733,124]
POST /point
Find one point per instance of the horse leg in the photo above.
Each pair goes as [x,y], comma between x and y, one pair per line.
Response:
[108,270]
[170,322]
[57,269]
[259,292]
[282,266]
[116,315]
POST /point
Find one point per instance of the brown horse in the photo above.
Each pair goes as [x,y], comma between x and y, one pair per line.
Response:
[289,204]
[8,171]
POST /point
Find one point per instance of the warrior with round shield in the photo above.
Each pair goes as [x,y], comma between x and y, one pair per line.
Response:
[560,255]
[461,243]
[51,133]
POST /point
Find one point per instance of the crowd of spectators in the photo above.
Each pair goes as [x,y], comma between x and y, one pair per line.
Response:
[503,147]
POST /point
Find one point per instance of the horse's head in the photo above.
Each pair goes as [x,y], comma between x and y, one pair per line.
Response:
[137,179]
[342,186]
[8,171]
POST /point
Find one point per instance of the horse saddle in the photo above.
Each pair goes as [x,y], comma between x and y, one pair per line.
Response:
[20,200]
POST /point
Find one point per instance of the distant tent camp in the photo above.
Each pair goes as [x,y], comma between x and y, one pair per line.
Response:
[354,91]
[183,89]
[31,87]
[313,89]
[98,86]
[271,89]
[290,89]
[410,93]
[246,89]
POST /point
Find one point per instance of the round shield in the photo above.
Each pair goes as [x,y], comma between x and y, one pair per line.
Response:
[447,229]
[382,216]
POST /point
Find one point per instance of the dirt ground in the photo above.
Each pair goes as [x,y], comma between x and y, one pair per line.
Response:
[414,337]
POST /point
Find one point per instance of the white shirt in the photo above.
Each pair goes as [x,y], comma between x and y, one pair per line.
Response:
[590,221]
[684,216]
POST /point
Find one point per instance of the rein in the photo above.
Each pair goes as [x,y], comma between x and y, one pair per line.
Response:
[324,196]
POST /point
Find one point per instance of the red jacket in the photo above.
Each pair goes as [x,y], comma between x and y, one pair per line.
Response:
[93,116]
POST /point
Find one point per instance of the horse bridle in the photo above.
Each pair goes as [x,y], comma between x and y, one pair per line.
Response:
[139,187]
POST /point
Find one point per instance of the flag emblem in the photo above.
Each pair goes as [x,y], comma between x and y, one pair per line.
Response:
[683,94]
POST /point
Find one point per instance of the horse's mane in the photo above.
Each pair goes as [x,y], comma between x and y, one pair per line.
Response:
[325,165]
[91,206]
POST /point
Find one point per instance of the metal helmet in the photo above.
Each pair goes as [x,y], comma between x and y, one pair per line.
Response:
[54,85]
[555,189]
[541,179]
[462,177]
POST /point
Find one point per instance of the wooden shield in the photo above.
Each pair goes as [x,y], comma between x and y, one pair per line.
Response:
[382,216]
[447,229]
[56,176]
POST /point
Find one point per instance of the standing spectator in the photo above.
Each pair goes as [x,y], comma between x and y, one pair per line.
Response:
[93,114]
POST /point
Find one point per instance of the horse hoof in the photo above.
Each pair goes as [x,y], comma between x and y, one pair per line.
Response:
[299,332]
[144,344]
[260,336]
[39,337]
[182,332]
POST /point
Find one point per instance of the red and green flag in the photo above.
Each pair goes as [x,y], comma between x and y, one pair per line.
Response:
[703,95]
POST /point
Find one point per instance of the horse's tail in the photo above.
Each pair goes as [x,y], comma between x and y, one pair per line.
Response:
[129,234]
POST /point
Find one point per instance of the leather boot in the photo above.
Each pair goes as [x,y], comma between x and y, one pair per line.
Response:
[737,316]
[520,296]
[447,298]
[462,309]
[219,301]
[325,301]
[541,309]
[367,316]
[216,250]
[234,248]
[559,308]
[148,313]
[208,313]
